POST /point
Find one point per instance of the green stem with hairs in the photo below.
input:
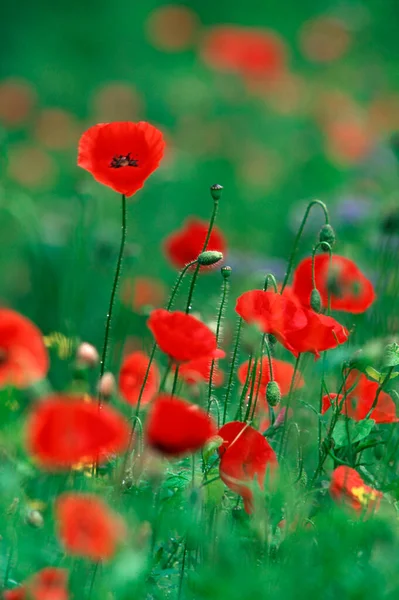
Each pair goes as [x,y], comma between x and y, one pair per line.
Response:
[287,408]
[218,331]
[232,369]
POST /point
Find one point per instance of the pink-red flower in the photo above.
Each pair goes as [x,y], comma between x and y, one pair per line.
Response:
[132,375]
[175,427]
[349,288]
[121,155]
[48,584]
[347,487]
[184,246]
[244,455]
[65,430]
[23,356]
[182,337]
[320,333]
[87,527]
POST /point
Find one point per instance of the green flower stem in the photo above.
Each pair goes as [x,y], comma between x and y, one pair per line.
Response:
[218,332]
[113,292]
[244,392]
[251,394]
[175,380]
[232,369]
[299,235]
[287,408]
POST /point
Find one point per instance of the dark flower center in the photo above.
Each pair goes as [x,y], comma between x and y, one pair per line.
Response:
[123,161]
[3,357]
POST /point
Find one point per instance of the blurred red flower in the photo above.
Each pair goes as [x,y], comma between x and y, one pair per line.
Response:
[48,584]
[359,401]
[121,155]
[87,527]
[282,372]
[246,51]
[182,337]
[175,427]
[183,246]
[347,487]
[23,355]
[350,290]
[321,333]
[244,455]
[65,430]
[198,370]
[131,378]
[141,292]
[272,313]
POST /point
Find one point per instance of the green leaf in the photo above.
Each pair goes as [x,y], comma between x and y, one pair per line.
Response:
[391,355]
[340,434]
[357,431]
[362,430]
[373,373]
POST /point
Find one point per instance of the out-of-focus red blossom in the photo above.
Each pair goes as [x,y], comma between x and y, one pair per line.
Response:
[175,427]
[324,39]
[242,50]
[65,430]
[349,141]
[272,313]
[282,373]
[183,246]
[195,371]
[182,337]
[360,399]
[87,527]
[132,375]
[347,487]
[350,290]
[121,155]
[48,584]
[321,333]
[140,292]
[244,455]
[23,355]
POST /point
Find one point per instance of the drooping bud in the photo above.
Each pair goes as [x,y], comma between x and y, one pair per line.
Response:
[327,236]
[226,271]
[273,394]
[209,257]
[107,386]
[216,191]
[87,355]
[315,300]
[35,519]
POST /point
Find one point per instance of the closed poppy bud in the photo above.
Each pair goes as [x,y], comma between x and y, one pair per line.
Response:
[87,355]
[107,386]
[226,272]
[209,257]
[35,519]
[216,191]
[327,236]
[273,394]
[315,300]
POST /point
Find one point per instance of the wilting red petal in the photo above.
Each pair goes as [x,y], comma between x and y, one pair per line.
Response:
[121,155]
[321,333]
[244,455]
[87,527]
[48,584]
[131,378]
[282,373]
[350,290]
[272,313]
[348,487]
[63,431]
[184,246]
[175,427]
[23,356]
[198,370]
[182,336]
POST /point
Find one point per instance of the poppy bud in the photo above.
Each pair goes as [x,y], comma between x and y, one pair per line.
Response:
[209,257]
[273,394]
[327,236]
[315,301]
[107,386]
[216,191]
[35,519]
[226,272]
[87,355]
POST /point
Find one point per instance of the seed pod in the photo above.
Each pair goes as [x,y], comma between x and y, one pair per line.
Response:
[273,394]
[226,272]
[315,301]
[327,236]
[209,257]
[216,191]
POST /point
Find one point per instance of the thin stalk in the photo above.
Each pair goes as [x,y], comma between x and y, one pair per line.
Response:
[175,380]
[232,369]
[183,565]
[218,331]
[379,390]
[244,392]
[287,408]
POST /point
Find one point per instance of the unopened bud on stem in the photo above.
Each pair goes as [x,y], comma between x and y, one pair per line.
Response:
[315,300]
[107,386]
[327,237]
[87,355]
[273,394]
[209,257]
[216,191]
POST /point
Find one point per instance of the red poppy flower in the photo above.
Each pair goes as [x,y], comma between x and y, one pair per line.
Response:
[243,50]
[121,155]
[142,292]
[87,527]
[183,246]
[23,356]
[181,336]
[198,370]
[272,313]
[321,333]
[244,455]
[131,378]
[347,487]
[350,290]
[328,400]
[48,584]
[360,399]
[63,431]
[176,427]
[282,372]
